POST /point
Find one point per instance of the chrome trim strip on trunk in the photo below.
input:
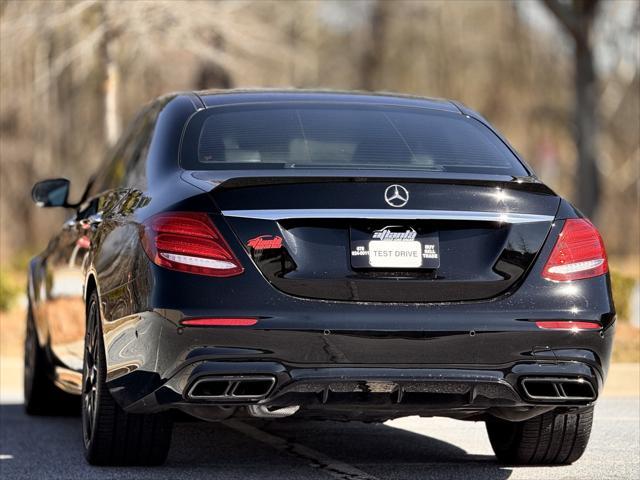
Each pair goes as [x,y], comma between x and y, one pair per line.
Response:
[388,214]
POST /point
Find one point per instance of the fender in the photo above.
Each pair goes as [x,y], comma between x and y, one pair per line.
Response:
[90,275]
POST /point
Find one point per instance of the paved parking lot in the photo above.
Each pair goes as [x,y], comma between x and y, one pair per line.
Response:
[408,448]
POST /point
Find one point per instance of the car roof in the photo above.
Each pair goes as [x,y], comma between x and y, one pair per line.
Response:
[213,98]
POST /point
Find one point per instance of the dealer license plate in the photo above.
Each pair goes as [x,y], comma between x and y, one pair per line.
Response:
[390,254]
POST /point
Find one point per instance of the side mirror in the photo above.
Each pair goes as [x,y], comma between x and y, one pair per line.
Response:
[51,193]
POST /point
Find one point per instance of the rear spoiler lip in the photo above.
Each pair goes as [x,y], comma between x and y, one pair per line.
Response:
[208,180]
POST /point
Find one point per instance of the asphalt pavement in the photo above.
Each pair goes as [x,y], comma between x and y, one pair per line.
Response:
[408,448]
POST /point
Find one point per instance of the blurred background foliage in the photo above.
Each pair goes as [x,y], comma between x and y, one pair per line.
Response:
[560,78]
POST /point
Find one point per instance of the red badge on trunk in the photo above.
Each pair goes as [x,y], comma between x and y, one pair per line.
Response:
[265,242]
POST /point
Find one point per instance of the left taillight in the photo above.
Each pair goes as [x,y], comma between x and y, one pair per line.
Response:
[188,242]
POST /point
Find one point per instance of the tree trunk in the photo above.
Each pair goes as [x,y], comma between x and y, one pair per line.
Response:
[111,116]
[586,125]
[111,82]
[211,74]
[371,60]
[578,17]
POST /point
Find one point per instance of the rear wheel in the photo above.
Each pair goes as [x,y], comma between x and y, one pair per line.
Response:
[111,435]
[548,439]
[41,396]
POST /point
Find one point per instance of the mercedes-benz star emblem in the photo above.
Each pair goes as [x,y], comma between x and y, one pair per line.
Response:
[396,196]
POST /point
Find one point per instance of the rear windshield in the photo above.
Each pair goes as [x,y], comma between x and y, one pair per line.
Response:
[307,135]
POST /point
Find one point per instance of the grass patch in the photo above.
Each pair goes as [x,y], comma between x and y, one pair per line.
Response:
[9,290]
[626,344]
[13,277]
[621,286]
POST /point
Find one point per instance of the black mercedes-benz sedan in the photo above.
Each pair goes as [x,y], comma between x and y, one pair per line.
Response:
[318,255]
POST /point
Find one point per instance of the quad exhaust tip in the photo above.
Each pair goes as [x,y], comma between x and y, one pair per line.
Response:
[231,388]
[558,389]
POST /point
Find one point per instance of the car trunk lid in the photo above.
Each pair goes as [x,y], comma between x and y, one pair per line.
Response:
[342,238]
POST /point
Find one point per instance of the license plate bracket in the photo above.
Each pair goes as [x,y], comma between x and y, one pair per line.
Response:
[394,247]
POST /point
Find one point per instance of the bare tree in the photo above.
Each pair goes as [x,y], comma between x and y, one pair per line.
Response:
[59,99]
[577,17]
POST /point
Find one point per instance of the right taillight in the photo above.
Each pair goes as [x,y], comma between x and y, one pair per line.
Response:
[579,253]
[188,242]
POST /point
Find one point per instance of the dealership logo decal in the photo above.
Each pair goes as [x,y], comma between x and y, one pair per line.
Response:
[402,236]
[265,242]
[396,196]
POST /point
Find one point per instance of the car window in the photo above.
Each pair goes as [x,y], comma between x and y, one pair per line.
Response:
[343,136]
[125,166]
[138,149]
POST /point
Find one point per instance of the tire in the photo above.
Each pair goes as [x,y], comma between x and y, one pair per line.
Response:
[41,396]
[548,439]
[111,435]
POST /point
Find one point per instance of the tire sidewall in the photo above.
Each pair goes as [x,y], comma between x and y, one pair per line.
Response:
[92,323]
[30,359]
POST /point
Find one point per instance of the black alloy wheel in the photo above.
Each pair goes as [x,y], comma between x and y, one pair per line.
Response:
[90,373]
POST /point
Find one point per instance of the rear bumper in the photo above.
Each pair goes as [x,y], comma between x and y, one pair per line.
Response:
[155,364]
[447,358]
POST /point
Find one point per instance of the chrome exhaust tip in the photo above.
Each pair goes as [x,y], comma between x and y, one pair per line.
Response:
[231,388]
[558,389]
